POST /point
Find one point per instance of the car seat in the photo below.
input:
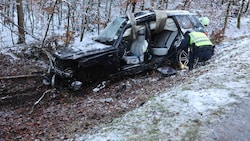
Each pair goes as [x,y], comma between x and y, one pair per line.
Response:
[164,39]
[139,45]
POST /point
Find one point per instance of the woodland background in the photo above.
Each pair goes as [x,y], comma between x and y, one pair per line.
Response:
[28,25]
[65,21]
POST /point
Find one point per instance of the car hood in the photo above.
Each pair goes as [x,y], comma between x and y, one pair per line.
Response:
[82,50]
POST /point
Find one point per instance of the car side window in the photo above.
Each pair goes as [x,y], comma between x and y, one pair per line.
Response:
[184,21]
[195,21]
[170,25]
[188,22]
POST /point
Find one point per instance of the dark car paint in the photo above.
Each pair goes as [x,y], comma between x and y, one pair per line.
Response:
[103,63]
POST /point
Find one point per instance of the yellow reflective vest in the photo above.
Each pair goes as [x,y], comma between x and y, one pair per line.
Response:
[199,39]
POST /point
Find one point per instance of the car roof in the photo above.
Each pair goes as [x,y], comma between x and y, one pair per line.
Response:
[161,13]
[160,17]
[175,12]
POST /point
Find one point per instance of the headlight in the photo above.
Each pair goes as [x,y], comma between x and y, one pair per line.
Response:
[76,85]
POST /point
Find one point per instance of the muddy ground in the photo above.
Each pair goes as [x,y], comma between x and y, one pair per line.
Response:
[62,113]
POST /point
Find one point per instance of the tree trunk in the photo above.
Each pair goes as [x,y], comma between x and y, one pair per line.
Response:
[20,18]
[166,4]
[222,2]
[240,13]
[68,24]
[142,4]
[187,4]
[50,19]
[159,4]
[227,14]
[98,17]
[31,17]
[127,5]
[108,13]
[85,20]
[133,5]
[247,6]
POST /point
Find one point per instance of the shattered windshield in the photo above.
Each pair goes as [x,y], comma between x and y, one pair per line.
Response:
[110,32]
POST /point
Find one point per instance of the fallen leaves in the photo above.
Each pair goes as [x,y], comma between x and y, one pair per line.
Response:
[67,113]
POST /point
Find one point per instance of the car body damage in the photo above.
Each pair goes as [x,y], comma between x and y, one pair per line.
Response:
[129,45]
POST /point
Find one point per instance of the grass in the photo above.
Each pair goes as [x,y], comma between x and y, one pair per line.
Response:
[219,111]
[192,132]
[233,95]
[184,100]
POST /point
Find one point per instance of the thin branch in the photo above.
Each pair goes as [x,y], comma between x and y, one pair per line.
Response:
[1,13]
[19,76]
[46,92]
[51,17]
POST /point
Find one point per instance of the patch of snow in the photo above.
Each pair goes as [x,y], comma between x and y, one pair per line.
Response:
[99,87]
[172,114]
[233,32]
[87,44]
[10,54]
[106,100]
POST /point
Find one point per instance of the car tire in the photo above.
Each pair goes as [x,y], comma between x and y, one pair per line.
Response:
[183,59]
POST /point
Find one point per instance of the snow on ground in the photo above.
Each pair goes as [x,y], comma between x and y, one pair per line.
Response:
[233,32]
[180,112]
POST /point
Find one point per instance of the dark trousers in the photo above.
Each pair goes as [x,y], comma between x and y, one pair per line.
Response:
[203,54]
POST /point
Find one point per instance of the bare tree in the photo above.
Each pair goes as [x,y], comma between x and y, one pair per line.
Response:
[68,24]
[247,6]
[85,20]
[50,19]
[98,16]
[159,4]
[127,5]
[142,4]
[166,4]
[21,32]
[133,2]
[240,13]
[162,4]
[187,4]
[227,15]
[222,2]
[108,13]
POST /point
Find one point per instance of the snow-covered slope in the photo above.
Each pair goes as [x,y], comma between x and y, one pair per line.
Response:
[177,114]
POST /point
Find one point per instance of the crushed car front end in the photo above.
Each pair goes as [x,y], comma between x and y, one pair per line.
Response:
[80,68]
[92,60]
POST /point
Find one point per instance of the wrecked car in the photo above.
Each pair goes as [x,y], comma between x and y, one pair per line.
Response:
[129,45]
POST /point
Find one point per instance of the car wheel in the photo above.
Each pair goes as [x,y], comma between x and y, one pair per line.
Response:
[183,59]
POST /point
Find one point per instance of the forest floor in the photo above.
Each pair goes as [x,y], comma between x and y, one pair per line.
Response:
[62,113]
[145,106]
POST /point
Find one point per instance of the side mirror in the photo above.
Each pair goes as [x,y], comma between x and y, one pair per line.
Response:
[204,21]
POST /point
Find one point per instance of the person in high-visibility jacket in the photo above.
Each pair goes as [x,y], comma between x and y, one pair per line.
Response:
[198,45]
